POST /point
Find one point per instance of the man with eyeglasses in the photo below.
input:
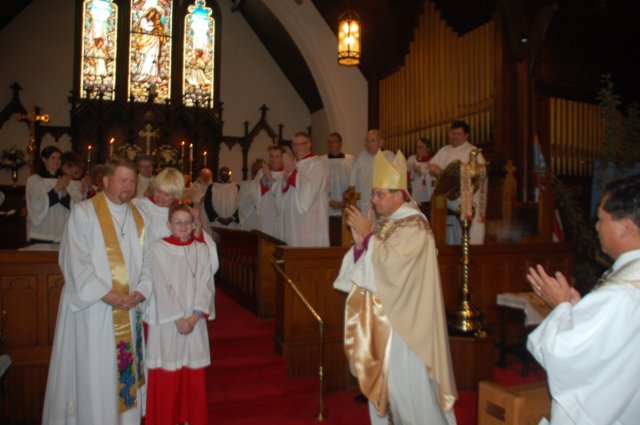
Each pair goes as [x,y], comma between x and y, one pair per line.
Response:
[304,197]
[395,335]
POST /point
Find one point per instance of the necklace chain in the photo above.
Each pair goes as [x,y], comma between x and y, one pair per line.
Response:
[186,256]
[121,226]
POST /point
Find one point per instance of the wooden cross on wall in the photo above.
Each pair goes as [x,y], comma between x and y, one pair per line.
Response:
[31,118]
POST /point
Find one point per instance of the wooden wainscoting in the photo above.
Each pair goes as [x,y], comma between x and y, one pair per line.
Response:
[313,270]
[30,288]
[494,269]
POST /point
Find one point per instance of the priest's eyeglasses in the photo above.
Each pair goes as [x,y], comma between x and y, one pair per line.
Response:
[182,223]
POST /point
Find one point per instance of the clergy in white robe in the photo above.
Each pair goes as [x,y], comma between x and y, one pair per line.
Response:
[48,202]
[266,186]
[460,149]
[362,172]
[304,196]
[181,270]
[220,203]
[589,346]
[420,179]
[339,166]
[396,338]
[96,373]
[145,175]
[199,187]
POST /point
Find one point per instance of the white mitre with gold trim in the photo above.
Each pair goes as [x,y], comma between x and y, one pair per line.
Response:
[390,175]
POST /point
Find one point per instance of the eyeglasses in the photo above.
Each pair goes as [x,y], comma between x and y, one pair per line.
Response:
[182,223]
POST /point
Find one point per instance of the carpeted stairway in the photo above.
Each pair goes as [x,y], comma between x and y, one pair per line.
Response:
[247,382]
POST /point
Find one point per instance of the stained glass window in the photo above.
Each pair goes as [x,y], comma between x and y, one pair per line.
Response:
[198,65]
[99,40]
[150,50]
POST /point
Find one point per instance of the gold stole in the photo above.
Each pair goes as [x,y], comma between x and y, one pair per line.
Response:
[128,355]
[367,335]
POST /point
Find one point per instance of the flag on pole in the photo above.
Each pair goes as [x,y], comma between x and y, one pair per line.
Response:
[540,170]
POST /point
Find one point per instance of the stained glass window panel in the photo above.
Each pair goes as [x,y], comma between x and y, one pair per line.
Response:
[99,41]
[150,50]
[199,37]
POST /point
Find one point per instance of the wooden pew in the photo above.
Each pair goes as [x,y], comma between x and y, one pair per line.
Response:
[245,271]
[30,288]
[313,270]
[494,269]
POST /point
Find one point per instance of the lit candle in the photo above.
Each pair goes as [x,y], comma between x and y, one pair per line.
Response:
[89,153]
[182,144]
[205,158]
[190,151]
[111,147]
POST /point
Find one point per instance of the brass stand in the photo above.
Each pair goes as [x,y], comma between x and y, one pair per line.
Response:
[467,319]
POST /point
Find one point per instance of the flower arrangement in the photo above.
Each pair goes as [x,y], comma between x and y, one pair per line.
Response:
[13,159]
[129,151]
[166,156]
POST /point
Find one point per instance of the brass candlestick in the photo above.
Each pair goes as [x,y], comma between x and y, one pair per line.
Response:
[466,320]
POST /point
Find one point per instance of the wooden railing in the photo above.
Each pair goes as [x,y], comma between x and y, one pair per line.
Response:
[245,271]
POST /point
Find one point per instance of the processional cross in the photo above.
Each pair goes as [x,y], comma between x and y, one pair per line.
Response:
[147,134]
[31,118]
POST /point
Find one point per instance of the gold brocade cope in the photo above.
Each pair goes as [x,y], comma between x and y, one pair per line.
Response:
[128,352]
[367,335]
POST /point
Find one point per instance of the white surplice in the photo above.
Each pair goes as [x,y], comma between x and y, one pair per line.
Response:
[590,351]
[421,182]
[305,205]
[177,294]
[362,179]
[265,197]
[247,212]
[339,175]
[43,222]
[83,376]
[445,156]
[196,192]
[224,201]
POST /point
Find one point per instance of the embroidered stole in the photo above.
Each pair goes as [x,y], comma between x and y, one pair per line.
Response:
[128,352]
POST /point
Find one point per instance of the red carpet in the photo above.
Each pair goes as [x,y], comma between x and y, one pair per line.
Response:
[247,383]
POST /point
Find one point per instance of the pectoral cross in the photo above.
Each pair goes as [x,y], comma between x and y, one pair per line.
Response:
[148,134]
[350,197]
[31,118]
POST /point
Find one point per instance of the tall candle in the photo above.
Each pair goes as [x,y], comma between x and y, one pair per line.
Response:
[89,153]
[182,145]
[205,158]
[190,151]
[111,147]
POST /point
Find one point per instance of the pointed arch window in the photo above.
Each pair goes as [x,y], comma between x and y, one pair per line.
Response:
[199,59]
[150,50]
[98,49]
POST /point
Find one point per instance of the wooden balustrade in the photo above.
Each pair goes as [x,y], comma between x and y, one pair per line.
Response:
[245,271]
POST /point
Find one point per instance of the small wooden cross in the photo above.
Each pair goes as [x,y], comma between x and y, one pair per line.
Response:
[350,197]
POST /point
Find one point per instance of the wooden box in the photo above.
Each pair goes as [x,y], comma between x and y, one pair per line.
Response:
[521,405]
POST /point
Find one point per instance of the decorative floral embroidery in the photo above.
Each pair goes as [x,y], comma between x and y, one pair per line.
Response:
[139,365]
[126,376]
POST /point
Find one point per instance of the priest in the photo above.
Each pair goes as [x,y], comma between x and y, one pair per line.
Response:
[96,373]
[589,346]
[459,149]
[220,203]
[304,196]
[396,338]
[266,186]
[362,171]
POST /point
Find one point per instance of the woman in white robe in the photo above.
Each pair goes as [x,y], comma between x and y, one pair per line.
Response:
[48,203]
